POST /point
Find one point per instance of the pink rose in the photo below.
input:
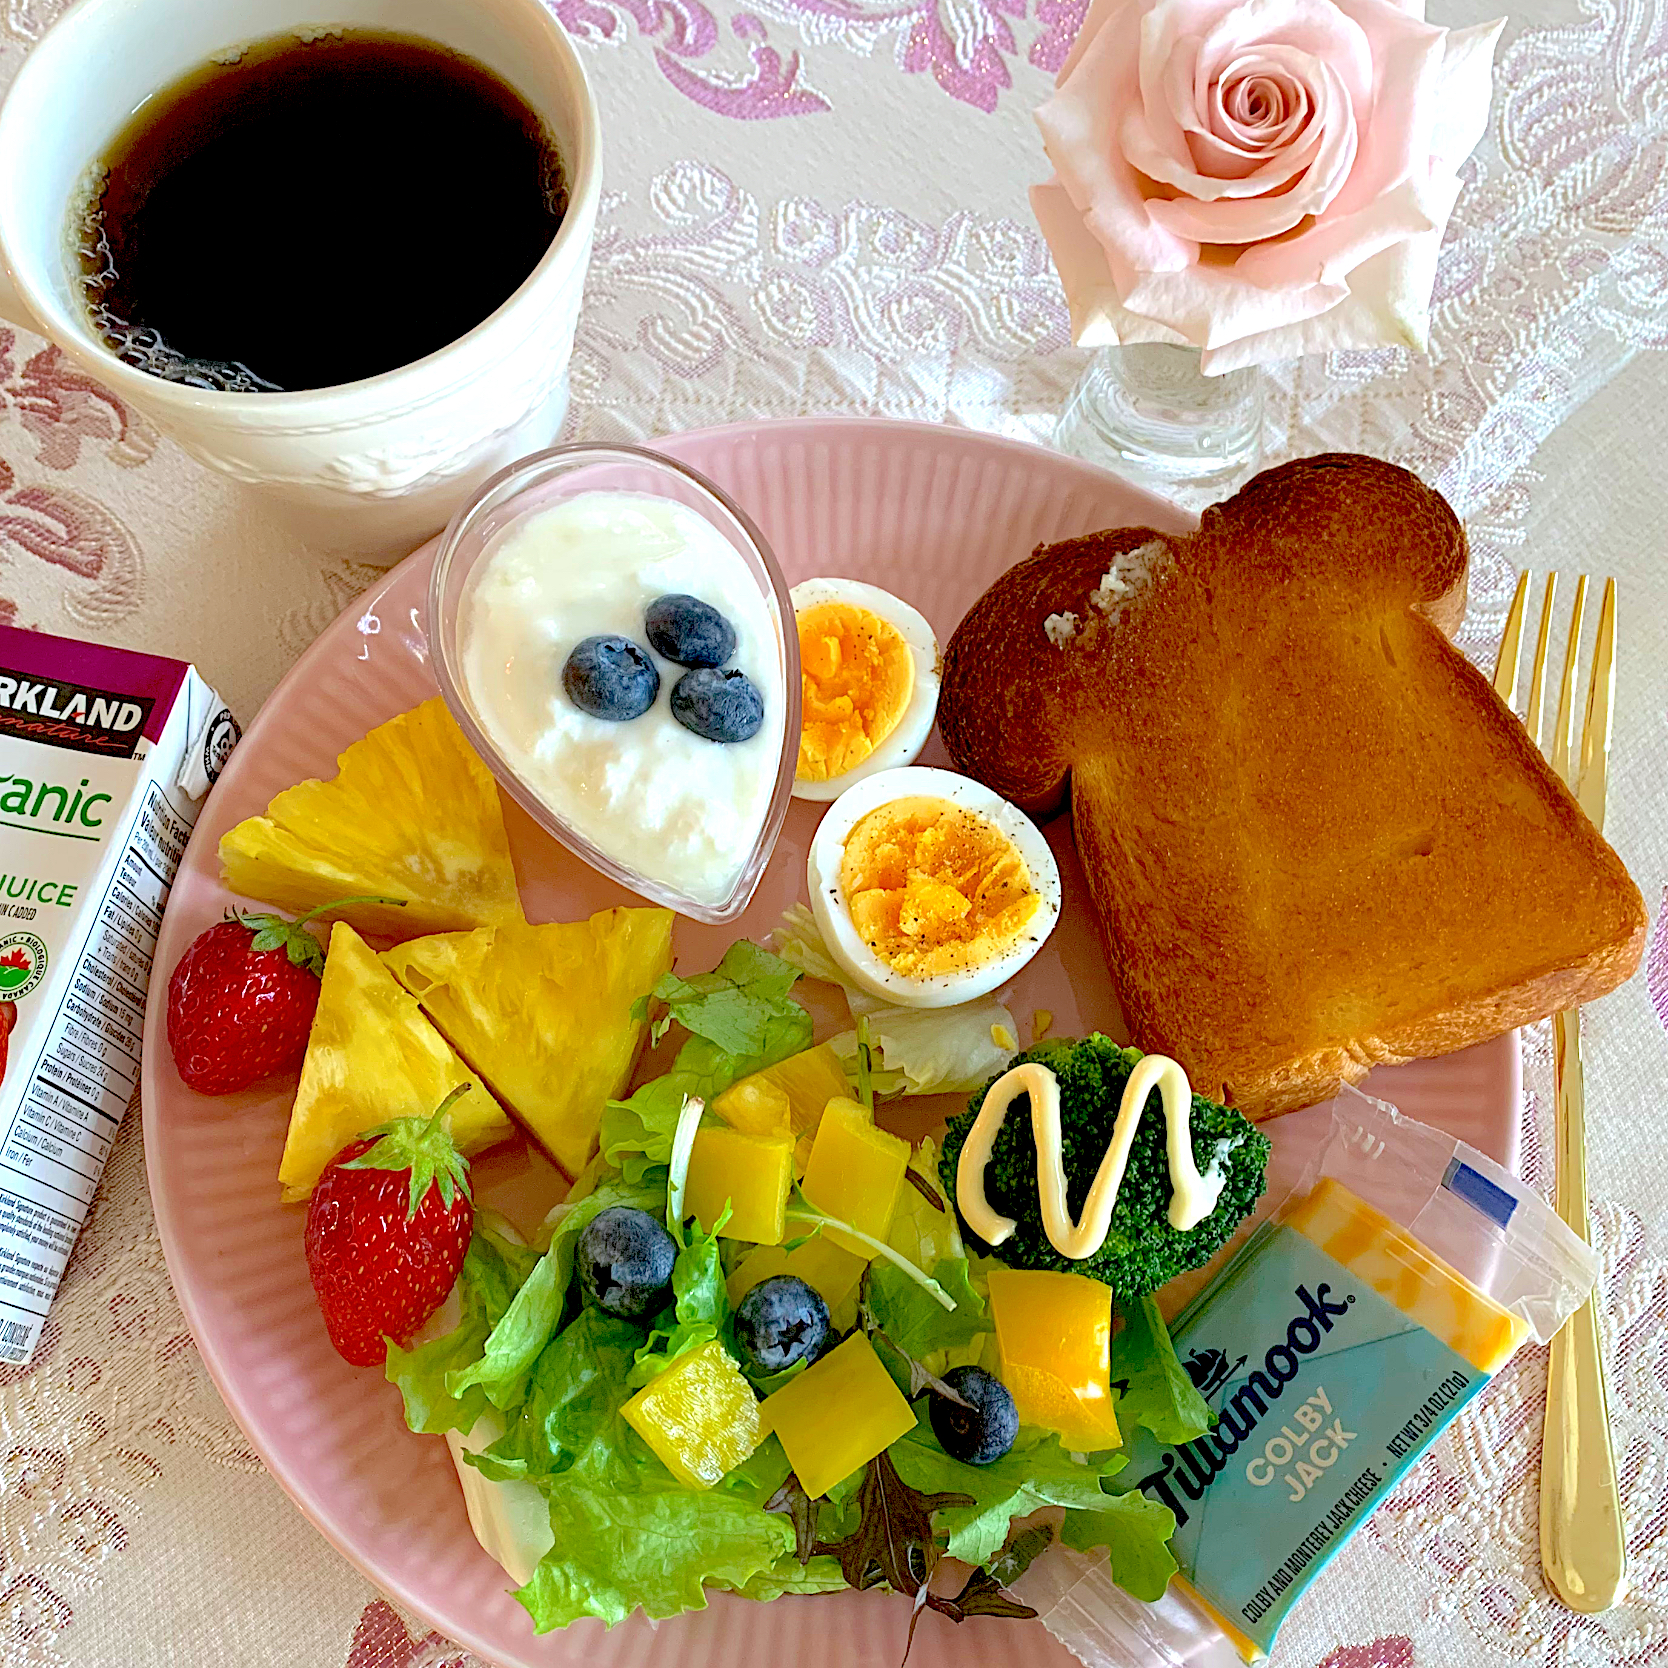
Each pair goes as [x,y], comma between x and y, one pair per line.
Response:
[1260,178]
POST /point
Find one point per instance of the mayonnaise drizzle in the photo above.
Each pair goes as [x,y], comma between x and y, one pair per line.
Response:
[1192,1198]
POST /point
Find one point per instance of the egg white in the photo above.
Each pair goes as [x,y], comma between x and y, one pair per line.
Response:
[828,903]
[903,746]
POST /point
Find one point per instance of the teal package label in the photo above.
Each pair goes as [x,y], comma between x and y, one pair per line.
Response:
[1324,1394]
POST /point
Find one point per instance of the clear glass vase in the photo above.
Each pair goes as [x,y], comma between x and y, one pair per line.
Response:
[1148,412]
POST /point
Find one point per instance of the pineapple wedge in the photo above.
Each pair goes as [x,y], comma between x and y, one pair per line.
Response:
[411,813]
[371,1057]
[543,1013]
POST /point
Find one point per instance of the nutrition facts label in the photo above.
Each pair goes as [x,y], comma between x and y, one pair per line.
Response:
[84,1077]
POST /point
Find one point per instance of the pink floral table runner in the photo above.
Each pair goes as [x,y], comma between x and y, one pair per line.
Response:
[819,206]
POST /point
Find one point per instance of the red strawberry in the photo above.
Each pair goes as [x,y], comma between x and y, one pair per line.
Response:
[242,998]
[387,1229]
[241,1001]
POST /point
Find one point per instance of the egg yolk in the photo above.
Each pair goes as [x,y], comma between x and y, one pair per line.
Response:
[934,889]
[856,678]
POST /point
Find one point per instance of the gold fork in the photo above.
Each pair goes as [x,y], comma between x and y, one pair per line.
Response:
[1583,1550]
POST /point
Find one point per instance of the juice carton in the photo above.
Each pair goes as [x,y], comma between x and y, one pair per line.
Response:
[105,757]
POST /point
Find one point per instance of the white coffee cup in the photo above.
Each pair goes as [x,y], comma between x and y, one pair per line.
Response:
[374,463]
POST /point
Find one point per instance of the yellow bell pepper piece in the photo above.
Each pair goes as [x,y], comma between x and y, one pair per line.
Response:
[837,1415]
[854,1173]
[812,1079]
[700,1416]
[808,1081]
[752,1172]
[756,1106]
[1054,1332]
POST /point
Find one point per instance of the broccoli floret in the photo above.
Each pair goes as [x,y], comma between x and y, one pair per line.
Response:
[1142,1251]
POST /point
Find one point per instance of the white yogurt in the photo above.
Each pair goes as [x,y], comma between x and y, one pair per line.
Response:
[653,796]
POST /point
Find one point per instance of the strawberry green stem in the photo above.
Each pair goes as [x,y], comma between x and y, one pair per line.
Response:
[343,903]
[280,933]
[445,1106]
[423,1146]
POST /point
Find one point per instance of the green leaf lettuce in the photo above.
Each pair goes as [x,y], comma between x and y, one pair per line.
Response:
[1135,1532]
[1034,1473]
[914,1320]
[576,1386]
[530,1322]
[741,1019]
[701,1306]
[494,1269]
[1154,1389]
[629,1536]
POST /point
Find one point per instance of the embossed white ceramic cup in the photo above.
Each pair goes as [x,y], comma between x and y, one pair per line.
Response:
[374,464]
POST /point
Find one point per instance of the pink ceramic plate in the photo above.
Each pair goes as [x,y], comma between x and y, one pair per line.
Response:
[933,514]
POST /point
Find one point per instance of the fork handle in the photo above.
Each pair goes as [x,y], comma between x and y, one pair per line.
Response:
[1583,1549]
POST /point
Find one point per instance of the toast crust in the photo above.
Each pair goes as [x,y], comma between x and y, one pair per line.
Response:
[1315,839]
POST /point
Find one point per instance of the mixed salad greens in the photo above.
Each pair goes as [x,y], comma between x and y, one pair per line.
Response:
[558,1371]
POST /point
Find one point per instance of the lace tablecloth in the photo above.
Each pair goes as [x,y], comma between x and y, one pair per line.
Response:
[819,206]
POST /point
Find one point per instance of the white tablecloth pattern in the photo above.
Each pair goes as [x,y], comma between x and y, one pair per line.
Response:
[819,206]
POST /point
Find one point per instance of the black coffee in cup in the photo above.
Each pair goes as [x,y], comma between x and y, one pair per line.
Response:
[317,211]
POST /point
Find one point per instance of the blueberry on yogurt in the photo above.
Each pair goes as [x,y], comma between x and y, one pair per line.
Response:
[610,677]
[686,630]
[718,706]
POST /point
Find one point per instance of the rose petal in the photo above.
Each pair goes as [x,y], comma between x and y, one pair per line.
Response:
[1171,161]
[1332,248]
[1250,220]
[1407,58]
[1077,129]
[1091,296]
[1465,85]
[1318,28]
[1098,317]
[1102,15]
[1171,34]
[1387,305]
[1259,106]
[1217,154]
[1211,306]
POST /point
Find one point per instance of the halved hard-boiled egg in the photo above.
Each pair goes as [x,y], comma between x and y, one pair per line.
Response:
[929,889]
[869,671]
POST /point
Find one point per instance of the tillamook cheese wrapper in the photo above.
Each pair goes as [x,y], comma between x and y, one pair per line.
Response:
[105,759]
[1336,1346]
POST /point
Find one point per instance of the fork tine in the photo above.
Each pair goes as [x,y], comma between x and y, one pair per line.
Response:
[1511,642]
[1563,735]
[1537,675]
[1601,702]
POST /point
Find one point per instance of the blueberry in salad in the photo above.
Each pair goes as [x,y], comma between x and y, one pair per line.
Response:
[719,706]
[983,1431]
[625,1262]
[781,1321]
[691,632]
[610,677]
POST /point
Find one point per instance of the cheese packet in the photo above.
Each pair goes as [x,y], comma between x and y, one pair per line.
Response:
[1401,1274]
[106,757]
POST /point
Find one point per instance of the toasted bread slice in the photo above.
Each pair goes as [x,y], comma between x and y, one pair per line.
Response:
[1315,838]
